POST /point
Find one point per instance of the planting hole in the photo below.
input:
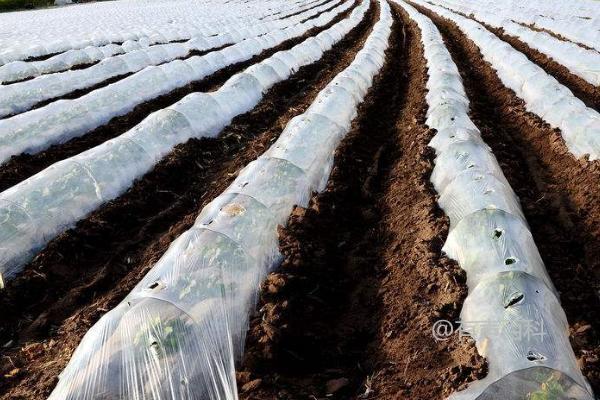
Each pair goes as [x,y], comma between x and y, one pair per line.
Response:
[532,356]
[510,261]
[156,285]
[498,233]
[514,299]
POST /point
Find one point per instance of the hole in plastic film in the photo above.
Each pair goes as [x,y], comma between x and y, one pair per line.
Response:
[498,232]
[514,299]
[510,261]
[532,356]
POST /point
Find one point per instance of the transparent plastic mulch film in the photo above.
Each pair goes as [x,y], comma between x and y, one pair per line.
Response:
[123,23]
[542,93]
[512,311]
[271,17]
[579,60]
[36,130]
[178,334]
[60,195]
[21,96]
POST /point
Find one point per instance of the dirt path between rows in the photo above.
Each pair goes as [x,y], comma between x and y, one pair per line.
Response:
[23,166]
[349,313]
[559,194]
[58,297]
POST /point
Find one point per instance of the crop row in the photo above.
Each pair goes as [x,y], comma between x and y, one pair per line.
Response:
[62,120]
[577,23]
[35,210]
[229,33]
[579,60]
[489,238]
[183,326]
[542,93]
[41,34]
[22,96]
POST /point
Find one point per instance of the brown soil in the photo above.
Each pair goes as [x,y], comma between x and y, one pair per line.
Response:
[314,4]
[349,313]
[307,19]
[558,193]
[22,166]
[58,297]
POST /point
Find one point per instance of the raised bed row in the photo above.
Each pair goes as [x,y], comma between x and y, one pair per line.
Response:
[580,61]
[180,331]
[229,34]
[62,120]
[37,209]
[47,32]
[542,93]
[512,311]
[22,96]
[576,22]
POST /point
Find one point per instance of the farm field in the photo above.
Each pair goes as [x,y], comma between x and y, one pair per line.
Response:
[314,199]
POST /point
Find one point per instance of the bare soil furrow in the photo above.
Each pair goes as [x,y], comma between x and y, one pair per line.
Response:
[349,313]
[21,167]
[89,269]
[331,7]
[558,193]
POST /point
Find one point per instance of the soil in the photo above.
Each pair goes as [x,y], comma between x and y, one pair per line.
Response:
[57,298]
[349,313]
[23,166]
[558,193]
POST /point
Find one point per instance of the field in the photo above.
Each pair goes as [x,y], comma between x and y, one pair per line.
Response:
[319,199]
